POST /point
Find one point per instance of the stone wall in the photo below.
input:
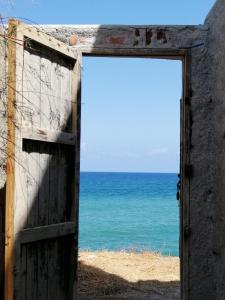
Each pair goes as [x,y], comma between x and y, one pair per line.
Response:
[216,65]
[207,185]
[199,275]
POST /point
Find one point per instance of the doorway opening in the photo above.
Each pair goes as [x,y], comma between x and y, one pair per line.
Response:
[130,161]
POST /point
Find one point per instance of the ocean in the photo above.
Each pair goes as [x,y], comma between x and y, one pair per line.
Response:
[129,212]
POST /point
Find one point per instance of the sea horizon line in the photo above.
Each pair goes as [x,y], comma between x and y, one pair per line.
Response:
[126,172]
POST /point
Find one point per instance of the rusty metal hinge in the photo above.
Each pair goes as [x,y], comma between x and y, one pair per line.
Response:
[178,188]
[187,100]
[188,170]
[187,231]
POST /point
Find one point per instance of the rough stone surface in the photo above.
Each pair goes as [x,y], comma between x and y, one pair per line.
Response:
[200,242]
[97,36]
[216,212]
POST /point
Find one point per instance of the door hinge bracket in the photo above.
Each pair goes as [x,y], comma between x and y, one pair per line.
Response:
[188,170]
[187,100]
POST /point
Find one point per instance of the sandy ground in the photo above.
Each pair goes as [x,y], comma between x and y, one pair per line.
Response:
[133,276]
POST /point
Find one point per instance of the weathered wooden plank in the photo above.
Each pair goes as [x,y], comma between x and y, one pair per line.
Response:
[2,238]
[68,274]
[27,103]
[23,272]
[63,185]
[54,217]
[20,220]
[20,191]
[46,232]
[66,170]
[33,173]
[45,155]
[76,94]
[53,184]
[43,221]
[42,281]
[10,179]
[44,184]
[31,118]
[31,86]
[49,136]
[56,92]
[32,272]
[64,206]
[35,33]
[53,270]
[66,106]
[46,89]
[3,135]
[68,121]
[33,183]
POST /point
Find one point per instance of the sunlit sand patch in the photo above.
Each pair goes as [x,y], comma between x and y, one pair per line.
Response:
[128,275]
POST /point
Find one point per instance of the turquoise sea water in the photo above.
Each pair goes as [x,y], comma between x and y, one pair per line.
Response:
[129,211]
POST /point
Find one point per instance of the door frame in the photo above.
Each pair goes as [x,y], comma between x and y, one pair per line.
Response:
[184,55]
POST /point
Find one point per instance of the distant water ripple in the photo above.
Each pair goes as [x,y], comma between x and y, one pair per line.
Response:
[129,211]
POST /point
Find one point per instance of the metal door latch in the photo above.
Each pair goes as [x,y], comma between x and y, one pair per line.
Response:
[178,188]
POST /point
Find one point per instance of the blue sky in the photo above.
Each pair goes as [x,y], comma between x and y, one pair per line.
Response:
[108,12]
[130,115]
[130,107]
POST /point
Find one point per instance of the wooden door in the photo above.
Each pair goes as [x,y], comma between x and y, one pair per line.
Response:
[42,189]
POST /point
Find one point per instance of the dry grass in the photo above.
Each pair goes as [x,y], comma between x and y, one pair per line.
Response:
[125,275]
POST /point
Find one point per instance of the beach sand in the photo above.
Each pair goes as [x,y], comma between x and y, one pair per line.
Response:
[128,275]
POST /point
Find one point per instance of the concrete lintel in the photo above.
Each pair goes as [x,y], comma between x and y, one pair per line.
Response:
[97,39]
